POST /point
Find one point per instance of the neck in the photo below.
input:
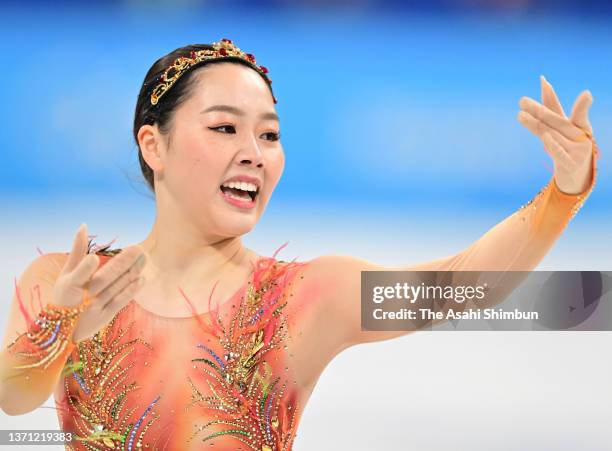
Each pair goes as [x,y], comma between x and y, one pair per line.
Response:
[175,256]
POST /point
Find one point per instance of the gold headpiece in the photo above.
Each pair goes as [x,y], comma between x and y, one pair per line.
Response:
[221,49]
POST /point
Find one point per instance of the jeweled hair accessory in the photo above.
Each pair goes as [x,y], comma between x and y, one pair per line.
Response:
[224,48]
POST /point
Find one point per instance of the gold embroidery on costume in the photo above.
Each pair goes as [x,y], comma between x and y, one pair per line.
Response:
[247,399]
[236,380]
[101,419]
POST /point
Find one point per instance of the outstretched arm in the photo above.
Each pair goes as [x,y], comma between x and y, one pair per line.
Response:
[518,243]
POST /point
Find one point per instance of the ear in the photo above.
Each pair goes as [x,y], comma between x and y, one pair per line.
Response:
[152,146]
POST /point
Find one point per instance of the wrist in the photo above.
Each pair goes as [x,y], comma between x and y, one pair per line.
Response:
[48,338]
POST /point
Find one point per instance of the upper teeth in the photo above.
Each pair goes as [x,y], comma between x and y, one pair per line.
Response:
[246,186]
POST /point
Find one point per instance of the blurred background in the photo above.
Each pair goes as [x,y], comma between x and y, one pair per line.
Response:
[399,125]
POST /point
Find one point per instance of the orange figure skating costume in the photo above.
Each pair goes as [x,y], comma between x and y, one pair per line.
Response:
[151,382]
[226,377]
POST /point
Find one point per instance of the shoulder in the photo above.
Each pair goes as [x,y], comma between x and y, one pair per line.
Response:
[51,263]
[321,282]
[32,291]
[335,264]
[45,265]
[46,268]
[329,271]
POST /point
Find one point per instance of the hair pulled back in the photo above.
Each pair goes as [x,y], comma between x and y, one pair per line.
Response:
[162,113]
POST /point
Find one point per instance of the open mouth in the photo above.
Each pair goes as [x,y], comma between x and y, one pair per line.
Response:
[243,191]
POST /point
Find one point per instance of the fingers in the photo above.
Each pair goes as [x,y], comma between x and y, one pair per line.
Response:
[539,128]
[124,296]
[116,267]
[549,97]
[557,152]
[552,119]
[79,249]
[86,268]
[110,293]
[580,111]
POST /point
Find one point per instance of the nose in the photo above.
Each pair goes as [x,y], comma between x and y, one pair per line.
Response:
[250,154]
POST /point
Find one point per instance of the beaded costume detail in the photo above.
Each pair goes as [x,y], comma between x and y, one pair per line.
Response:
[246,394]
[99,405]
[220,378]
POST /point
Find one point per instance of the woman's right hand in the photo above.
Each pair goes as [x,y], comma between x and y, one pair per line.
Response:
[109,288]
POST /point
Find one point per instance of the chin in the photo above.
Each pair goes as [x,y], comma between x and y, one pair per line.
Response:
[233,220]
[235,225]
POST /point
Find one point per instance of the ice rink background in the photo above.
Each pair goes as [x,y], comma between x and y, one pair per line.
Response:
[402,145]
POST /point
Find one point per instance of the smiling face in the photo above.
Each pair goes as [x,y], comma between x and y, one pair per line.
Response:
[222,158]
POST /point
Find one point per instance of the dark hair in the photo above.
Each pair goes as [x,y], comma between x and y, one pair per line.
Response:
[161,113]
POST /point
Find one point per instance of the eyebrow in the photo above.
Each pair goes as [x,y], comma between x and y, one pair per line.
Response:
[239,112]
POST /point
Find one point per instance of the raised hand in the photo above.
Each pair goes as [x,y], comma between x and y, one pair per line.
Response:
[567,140]
[107,289]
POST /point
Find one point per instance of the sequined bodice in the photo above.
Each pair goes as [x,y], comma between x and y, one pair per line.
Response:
[220,378]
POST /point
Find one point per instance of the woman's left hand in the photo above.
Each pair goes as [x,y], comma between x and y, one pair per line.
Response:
[567,140]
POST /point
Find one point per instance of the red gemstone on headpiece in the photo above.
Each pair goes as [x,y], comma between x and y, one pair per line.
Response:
[263,69]
[250,57]
[223,52]
[193,54]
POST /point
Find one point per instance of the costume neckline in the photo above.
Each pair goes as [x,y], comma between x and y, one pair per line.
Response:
[218,307]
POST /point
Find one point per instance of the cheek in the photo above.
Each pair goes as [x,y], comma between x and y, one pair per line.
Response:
[198,169]
[275,165]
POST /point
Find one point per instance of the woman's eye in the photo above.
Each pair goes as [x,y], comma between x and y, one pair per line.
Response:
[224,129]
[272,136]
[230,129]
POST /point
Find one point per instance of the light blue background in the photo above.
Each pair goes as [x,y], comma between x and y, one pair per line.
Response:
[402,145]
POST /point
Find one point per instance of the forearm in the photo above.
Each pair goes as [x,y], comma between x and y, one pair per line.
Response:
[32,364]
[520,242]
[512,248]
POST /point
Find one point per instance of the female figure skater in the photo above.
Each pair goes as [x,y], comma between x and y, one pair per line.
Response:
[141,346]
